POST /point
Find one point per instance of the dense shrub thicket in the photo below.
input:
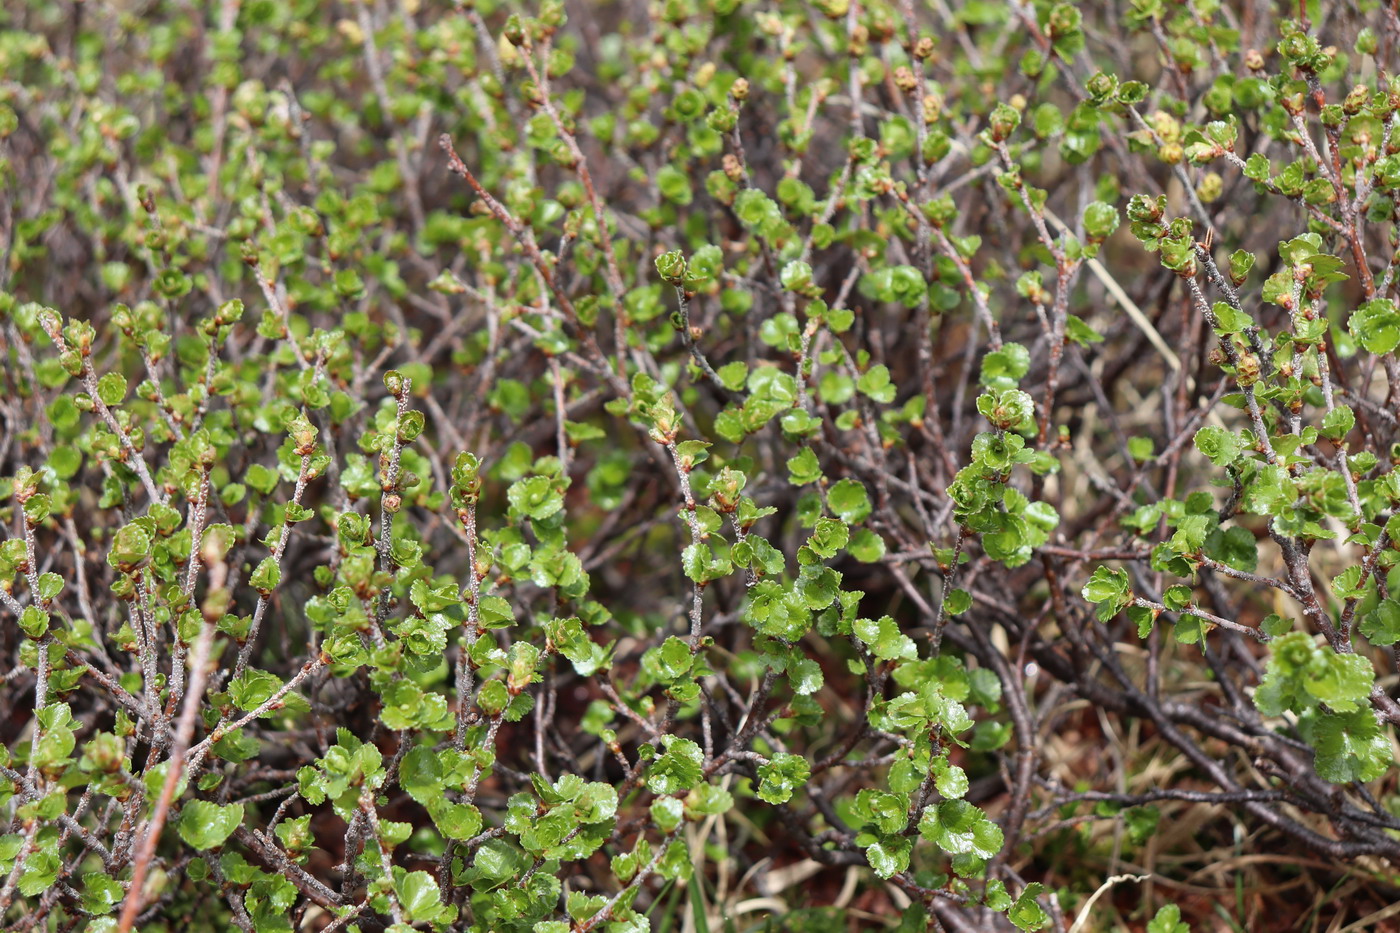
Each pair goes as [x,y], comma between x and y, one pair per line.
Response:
[678,465]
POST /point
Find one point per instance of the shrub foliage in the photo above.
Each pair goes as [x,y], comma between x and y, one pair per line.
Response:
[510,467]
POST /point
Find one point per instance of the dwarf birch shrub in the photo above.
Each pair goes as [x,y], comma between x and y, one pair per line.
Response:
[745,465]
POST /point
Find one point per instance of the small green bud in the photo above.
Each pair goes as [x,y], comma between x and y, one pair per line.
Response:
[671,266]
[1101,87]
[1004,121]
[1210,187]
[515,30]
[1356,99]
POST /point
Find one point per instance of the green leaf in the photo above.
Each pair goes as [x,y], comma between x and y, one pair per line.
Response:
[1350,746]
[34,621]
[420,774]
[495,612]
[348,284]
[1222,447]
[1343,682]
[1338,422]
[1006,409]
[1348,584]
[805,676]
[678,769]
[1143,618]
[1110,590]
[493,697]
[1276,626]
[733,375]
[393,833]
[1080,332]
[111,388]
[419,897]
[876,384]
[884,639]
[866,546]
[889,855]
[996,896]
[1300,674]
[829,537]
[1026,913]
[101,893]
[1376,325]
[265,578]
[950,780]
[708,800]
[804,468]
[701,564]
[674,186]
[667,813]
[1141,823]
[1100,220]
[40,872]
[217,541]
[38,508]
[1381,626]
[252,688]
[535,498]
[1235,546]
[206,825]
[781,776]
[1167,920]
[673,659]
[848,499]
[1229,319]
[796,276]
[578,432]
[130,546]
[261,478]
[1004,368]
[958,828]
